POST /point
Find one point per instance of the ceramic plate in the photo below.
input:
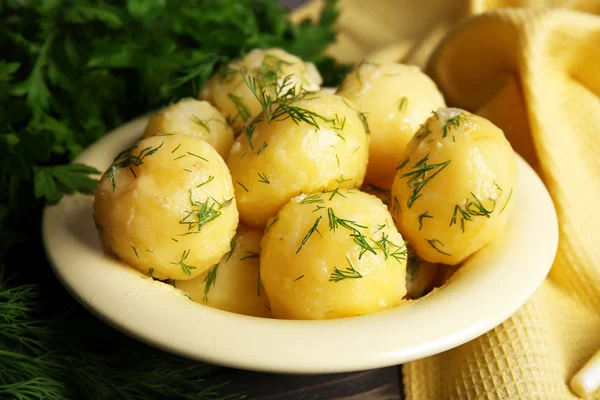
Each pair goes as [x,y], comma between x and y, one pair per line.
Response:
[482,294]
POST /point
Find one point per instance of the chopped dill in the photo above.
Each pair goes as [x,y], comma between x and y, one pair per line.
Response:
[244,187]
[271,223]
[126,159]
[313,229]
[242,108]
[507,200]
[210,281]
[334,192]
[177,158]
[418,177]
[312,198]
[210,178]
[263,178]
[135,251]
[298,278]
[434,244]
[348,273]
[454,122]
[261,148]
[249,131]
[402,103]
[420,218]
[402,163]
[176,148]
[186,268]
[197,156]
[250,255]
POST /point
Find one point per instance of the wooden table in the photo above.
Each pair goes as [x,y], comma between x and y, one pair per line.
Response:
[378,384]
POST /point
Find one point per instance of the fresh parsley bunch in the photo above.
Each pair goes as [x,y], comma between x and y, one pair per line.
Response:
[70,71]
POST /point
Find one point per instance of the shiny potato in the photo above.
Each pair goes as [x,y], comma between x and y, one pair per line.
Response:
[194,118]
[333,254]
[227,90]
[234,283]
[166,206]
[455,187]
[283,158]
[397,98]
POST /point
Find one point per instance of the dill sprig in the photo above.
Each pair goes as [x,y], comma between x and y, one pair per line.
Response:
[389,248]
[126,159]
[453,123]
[435,244]
[507,200]
[402,103]
[210,280]
[423,132]
[187,269]
[313,229]
[348,273]
[359,238]
[418,177]
[263,178]
[240,105]
[472,208]
[313,198]
[200,215]
[422,216]
[250,255]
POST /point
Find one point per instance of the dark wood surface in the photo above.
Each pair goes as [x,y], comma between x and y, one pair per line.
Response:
[378,384]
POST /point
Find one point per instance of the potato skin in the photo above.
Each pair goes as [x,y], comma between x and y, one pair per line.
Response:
[234,285]
[298,269]
[297,158]
[397,98]
[147,218]
[194,118]
[456,186]
[227,86]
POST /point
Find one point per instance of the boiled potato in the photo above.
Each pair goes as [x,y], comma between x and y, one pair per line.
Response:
[455,187]
[397,98]
[166,206]
[331,255]
[234,283]
[283,158]
[232,96]
[194,118]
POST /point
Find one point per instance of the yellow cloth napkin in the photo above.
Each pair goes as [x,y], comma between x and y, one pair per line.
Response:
[533,68]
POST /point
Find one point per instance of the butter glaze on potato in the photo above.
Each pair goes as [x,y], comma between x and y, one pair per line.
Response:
[331,255]
[167,207]
[455,187]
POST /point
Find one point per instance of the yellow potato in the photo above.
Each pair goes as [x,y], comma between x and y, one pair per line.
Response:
[227,90]
[282,159]
[332,255]
[396,98]
[166,206]
[455,187]
[194,118]
[233,284]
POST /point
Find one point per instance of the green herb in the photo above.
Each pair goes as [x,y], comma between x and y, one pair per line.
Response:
[298,278]
[507,200]
[250,254]
[244,187]
[208,180]
[361,240]
[175,240]
[337,159]
[418,177]
[348,273]
[176,148]
[423,132]
[395,206]
[197,156]
[334,192]
[402,163]
[435,243]
[402,103]
[176,158]
[203,124]
[271,223]
[223,203]
[187,269]
[420,218]
[313,229]
[126,159]
[258,283]
[151,272]
[319,207]
[363,119]
[313,198]
[135,251]
[242,108]
[261,148]
[249,131]
[232,247]
[199,215]
[454,123]
[263,178]
[355,150]
[210,281]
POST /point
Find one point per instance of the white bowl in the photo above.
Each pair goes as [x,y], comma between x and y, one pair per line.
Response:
[483,293]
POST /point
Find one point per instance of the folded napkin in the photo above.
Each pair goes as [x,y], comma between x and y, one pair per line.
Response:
[533,68]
